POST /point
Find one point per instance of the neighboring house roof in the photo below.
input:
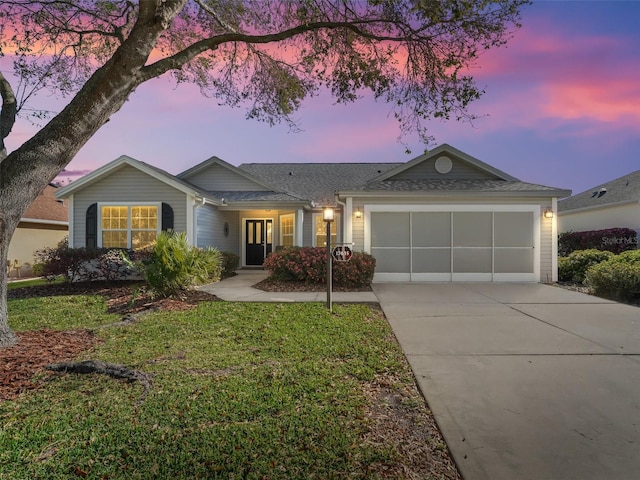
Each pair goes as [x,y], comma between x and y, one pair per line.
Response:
[622,190]
[122,161]
[47,209]
[316,182]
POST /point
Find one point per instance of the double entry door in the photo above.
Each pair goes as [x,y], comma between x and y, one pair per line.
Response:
[258,241]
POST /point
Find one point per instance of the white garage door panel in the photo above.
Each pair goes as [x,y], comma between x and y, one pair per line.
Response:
[453,245]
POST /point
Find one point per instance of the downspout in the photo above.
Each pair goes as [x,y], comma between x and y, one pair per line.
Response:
[347,221]
[197,204]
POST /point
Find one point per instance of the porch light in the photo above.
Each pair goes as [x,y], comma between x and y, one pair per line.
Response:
[358,213]
[327,214]
[548,213]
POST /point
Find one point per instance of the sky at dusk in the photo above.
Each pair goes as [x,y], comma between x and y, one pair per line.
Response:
[562,108]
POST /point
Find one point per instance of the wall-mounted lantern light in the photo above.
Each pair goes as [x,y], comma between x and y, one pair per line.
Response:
[548,213]
[358,213]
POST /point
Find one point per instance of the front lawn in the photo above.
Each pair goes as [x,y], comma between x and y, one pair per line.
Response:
[239,390]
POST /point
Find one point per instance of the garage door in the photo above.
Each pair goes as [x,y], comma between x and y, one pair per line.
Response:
[453,245]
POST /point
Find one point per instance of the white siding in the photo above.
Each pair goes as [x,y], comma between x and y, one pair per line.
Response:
[217,178]
[126,184]
[427,170]
[210,229]
[621,216]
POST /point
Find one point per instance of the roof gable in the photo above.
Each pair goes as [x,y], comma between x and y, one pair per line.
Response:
[445,163]
[214,174]
[122,162]
[625,189]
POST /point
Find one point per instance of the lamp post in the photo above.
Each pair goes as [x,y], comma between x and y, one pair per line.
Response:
[328,217]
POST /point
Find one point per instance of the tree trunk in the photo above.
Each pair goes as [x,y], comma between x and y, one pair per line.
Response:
[25,172]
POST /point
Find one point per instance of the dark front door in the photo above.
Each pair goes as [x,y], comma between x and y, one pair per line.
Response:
[259,241]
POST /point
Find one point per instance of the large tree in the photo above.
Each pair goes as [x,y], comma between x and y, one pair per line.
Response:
[266,54]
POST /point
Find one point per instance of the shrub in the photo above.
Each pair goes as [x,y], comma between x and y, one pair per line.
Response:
[78,264]
[574,267]
[616,279]
[615,240]
[309,265]
[173,265]
[230,262]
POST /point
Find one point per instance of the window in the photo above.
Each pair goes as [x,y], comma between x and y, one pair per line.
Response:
[320,230]
[129,226]
[286,230]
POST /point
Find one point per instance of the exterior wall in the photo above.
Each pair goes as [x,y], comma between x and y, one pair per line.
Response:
[127,184]
[218,178]
[623,216]
[427,170]
[546,225]
[210,229]
[27,239]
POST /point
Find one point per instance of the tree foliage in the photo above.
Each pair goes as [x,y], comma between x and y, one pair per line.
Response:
[264,55]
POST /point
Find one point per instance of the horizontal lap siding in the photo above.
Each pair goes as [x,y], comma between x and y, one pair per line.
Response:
[210,229]
[220,179]
[127,184]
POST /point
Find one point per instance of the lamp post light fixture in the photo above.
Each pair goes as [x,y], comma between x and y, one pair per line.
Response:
[327,216]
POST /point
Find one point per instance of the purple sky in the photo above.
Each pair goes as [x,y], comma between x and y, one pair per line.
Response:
[562,108]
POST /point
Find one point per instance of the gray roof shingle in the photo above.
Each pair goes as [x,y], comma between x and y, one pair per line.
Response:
[620,190]
[457,185]
[316,181]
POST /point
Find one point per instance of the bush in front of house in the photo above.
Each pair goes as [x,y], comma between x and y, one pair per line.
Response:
[309,265]
[83,264]
[614,240]
[617,278]
[230,262]
[573,267]
[172,265]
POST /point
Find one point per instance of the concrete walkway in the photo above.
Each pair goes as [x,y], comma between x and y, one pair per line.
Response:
[526,381]
[239,288]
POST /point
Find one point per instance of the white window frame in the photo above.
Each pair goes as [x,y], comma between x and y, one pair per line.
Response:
[129,205]
[337,218]
[291,216]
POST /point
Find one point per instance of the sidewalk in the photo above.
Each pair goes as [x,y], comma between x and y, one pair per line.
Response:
[239,288]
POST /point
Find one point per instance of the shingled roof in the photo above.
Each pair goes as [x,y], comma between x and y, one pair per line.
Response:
[46,209]
[625,189]
[458,185]
[317,182]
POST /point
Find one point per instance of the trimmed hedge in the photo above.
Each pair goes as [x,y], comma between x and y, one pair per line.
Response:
[618,277]
[614,240]
[309,265]
[573,268]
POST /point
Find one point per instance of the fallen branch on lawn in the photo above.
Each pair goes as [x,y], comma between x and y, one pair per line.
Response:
[111,369]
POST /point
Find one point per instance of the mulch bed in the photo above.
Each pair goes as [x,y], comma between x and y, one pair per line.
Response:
[269,285]
[21,363]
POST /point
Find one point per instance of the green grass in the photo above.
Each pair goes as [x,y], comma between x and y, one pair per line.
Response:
[240,390]
[31,283]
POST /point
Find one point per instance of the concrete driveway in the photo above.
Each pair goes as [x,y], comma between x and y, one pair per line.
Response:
[526,381]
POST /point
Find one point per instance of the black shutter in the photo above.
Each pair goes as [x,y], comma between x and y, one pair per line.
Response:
[167,217]
[91,233]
